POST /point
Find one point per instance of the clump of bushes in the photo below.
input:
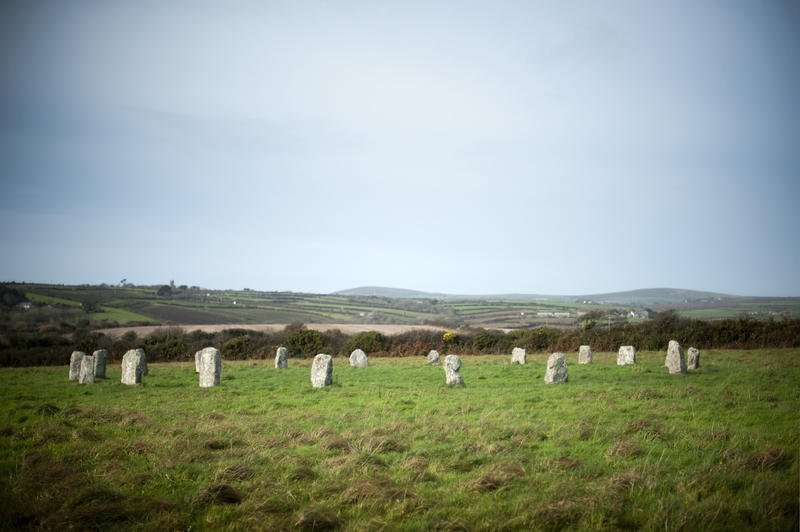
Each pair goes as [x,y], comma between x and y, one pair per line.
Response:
[50,342]
[367,341]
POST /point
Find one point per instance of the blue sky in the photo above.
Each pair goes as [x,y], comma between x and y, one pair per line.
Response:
[461,147]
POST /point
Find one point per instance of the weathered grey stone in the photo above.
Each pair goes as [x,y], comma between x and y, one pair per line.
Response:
[556,369]
[75,364]
[133,366]
[626,355]
[210,367]
[87,370]
[322,371]
[585,354]
[433,357]
[197,356]
[693,360]
[451,366]
[358,359]
[100,357]
[518,355]
[675,362]
[282,358]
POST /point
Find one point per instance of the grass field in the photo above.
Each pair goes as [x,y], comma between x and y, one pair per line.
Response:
[390,447]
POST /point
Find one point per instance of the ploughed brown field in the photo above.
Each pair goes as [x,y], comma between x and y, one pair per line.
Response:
[346,328]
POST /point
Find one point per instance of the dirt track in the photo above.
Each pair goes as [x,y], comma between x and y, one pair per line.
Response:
[347,328]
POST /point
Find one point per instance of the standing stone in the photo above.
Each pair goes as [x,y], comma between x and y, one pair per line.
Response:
[585,354]
[197,356]
[626,355]
[433,357]
[675,362]
[75,365]
[518,355]
[358,359]
[87,370]
[133,366]
[693,361]
[556,369]
[322,371]
[282,358]
[100,357]
[210,367]
[451,366]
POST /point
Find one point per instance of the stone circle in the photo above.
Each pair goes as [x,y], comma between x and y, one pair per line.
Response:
[585,354]
[87,370]
[626,355]
[518,355]
[556,369]
[282,358]
[210,367]
[451,366]
[100,356]
[433,357]
[75,365]
[693,359]
[133,366]
[358,359]
[675,361]
[322,371]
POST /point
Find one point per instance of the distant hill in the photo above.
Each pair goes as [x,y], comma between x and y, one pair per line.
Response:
[382,291]
[655,296]
[645,296]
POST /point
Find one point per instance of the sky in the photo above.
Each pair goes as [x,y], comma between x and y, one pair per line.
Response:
[570,147]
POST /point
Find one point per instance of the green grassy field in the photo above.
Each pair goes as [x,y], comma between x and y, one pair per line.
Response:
[391,447]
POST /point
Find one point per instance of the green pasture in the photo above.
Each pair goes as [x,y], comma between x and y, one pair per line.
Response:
[117,314]
[50,300]
[390,447]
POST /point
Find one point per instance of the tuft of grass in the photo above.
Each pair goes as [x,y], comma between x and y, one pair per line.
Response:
[219,494]
[316,519]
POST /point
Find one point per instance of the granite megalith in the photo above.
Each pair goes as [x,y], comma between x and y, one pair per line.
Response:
[626,355]
[585,354]
[693,358]
[133,366]
[282,358]
[100,356]
[197,356]
[322,371]
[75,365]
[358,359]
[518,355]
[433,357]
[556,372]
[675,361]
[451,366]
[87,370]
[210,367]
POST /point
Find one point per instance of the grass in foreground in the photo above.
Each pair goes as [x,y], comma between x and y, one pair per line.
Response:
[390,447]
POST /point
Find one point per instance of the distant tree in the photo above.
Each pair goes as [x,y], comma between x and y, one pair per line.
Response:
[164,291]
[10,296]
[89,307]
